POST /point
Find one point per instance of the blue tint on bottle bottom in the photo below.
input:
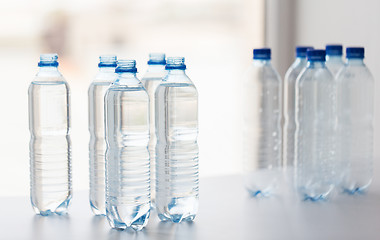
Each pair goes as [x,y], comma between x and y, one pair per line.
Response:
[178,211]
[60,210]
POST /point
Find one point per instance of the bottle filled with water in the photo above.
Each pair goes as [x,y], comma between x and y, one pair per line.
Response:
[334,61]
[355,97]
[290,105]
[103,79]
[315,129]
[262,125]
[152,78]
[50,145]
[177,148]
[127,155]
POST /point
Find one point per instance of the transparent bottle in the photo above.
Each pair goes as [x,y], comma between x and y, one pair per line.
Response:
[315,129]
[334,61]
[262,125]
[152,78]
[97,146]
[177,148]
[355,90]
[127,155]
[290,105]
[50,145]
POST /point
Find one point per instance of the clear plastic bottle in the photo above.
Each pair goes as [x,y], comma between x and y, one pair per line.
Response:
[334,61]
[152,78]
[262,125]
[50,145]
[97,146]
[315,129]
[290,105]
[127,155]
[355,90]
[177,148]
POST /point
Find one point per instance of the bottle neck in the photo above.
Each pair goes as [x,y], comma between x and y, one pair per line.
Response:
[316,64]
[127,78]
[261,62]
[334,58]
[107,69]
[355,61]
[300,60]
[156,68]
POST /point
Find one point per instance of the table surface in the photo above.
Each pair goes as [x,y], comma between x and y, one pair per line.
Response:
[226,212]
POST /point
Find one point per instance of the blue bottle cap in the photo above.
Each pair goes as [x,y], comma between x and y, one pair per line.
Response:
[316,55]
[157,59]
[301,50]
[334,50]
[48,60]
[262,53]
[355,52]
[107,61]
[175,63]
[126,66]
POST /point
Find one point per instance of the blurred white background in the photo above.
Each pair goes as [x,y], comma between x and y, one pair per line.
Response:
[215,36]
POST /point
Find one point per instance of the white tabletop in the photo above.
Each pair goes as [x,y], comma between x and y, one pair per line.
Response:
[226,212]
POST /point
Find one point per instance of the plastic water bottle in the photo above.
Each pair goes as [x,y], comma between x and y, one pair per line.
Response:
[127,155]
[334,61]
[315,129]
[355,90]
[152,78]
[262,125]
[50,145]
[290,105]
[97,146]
[177,148]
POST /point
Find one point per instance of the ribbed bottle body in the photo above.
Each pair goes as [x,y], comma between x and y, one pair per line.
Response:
[262,128]
[50,145]
[177,148]
[127,155]
[151,81]
[97,145]
[316,129]
[355,91]
[289,111]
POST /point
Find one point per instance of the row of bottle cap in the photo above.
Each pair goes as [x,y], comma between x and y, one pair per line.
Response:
[314,54]
[51,60]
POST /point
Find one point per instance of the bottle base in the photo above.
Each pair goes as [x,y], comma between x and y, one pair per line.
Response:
[136,221]
[62,209]
[179,210]
[96,210]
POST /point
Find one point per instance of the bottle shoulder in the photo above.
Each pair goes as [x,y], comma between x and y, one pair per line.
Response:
[261,73]
[315,74]
[361,72]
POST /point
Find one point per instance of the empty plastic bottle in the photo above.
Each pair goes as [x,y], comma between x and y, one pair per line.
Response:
[50,145]
[334,61]
[262,125]
[355,97]
[152,78]
[177,148]
[315,129]
[97,146]
[127,155]
[290,105]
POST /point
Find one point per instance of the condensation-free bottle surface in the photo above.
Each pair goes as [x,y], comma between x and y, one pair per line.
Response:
[152,78]
[177,148]
[97,145]
[290,105]
[50,145]
[262,125]
[355,91]
[316,128]
[127,156]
